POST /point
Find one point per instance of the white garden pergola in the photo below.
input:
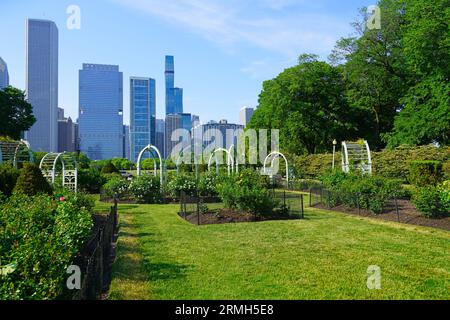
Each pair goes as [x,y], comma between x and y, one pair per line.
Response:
[275,155]
[230,160]
[69,166]
[153,151]
[15,152]
[356,155]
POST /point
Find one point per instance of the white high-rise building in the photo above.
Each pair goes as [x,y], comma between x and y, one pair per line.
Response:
[4,76]
[42,83]
[245,115]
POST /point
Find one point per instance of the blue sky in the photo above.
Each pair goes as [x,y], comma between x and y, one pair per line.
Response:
[224,49]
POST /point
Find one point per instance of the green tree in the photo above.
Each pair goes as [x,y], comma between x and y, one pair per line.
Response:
[425,117]
[31,181]
[375,70]
[16,114]
[307,104]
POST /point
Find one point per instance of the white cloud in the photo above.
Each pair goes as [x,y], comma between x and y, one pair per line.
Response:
[234,23]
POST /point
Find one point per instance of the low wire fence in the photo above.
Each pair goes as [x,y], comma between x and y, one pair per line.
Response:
[289,205]
[96,258]
[360,203]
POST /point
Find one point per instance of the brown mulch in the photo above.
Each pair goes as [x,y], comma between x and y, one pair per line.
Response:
[408,214]
[223,216]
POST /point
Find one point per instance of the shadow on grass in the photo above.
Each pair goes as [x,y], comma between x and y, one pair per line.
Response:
[165,271]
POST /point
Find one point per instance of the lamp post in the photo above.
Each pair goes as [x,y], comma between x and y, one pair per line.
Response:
[334,152]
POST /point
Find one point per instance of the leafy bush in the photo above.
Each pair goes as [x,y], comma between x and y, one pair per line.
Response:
[116,186]
[123,164]
[109,168]
[8,179]
[146,189]
[369,192]
[91,180]
[39,240]
[31,181]
[208,184]
[246,191]
[306,184]
[431,202]
[424,173]
[445,194]
[182,182]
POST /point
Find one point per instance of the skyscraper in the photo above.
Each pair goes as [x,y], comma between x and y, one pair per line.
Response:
[42,83]
[4,75]
[101,111]
[126,142]
[67,133]
[245,115]
[173,123]
[160,133]
[142,115]
[174,96]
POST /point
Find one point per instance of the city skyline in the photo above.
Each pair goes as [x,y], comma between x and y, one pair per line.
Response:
[243,58]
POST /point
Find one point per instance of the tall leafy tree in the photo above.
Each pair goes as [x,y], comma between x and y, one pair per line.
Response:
[375,71]
[16,114]
[307,104]
[426,47]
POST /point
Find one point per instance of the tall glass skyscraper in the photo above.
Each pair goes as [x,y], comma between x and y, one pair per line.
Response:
[143,114]
[42,83]
[174,96]
[4,75]
[101,111]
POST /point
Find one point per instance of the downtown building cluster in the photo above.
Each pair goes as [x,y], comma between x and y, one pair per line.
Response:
[99,131]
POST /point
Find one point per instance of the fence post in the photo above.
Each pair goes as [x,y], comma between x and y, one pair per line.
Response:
[358,204]
[303,209]
[198,210]
[310,198]
[396,209]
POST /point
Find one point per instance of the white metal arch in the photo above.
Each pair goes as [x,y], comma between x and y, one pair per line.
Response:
[151,148]
[275,155]
[229,159]
[356,155]
[48,166]
[15,152]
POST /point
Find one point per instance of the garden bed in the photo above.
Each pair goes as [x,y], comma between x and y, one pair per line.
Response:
[407,213]
[224,216]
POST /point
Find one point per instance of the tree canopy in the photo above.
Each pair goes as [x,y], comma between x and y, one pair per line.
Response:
[389,85]
[16,114]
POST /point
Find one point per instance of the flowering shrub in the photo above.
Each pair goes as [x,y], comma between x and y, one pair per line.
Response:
[116,186]
[39,238]
[182,182]
[208,184]
[146,189]
[429,201]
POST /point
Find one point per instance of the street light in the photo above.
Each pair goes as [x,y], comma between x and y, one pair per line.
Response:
[334,151]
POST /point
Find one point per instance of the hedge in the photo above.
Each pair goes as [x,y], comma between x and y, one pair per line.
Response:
[425,173]
[392,164]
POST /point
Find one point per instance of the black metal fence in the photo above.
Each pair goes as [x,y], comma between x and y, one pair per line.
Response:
[97,257]
[352,200]
[288,205]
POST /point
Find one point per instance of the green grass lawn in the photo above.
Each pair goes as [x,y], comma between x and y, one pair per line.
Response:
[325,256]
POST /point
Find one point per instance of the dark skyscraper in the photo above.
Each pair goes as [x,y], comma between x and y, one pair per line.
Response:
[174,96]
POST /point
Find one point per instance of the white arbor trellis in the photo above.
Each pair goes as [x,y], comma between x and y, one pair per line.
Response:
[152,150]
[230,160]
[356,155]
[275,155]
[52,163]
[15,152]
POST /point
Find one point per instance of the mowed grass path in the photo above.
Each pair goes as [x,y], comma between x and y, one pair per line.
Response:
[325,256]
